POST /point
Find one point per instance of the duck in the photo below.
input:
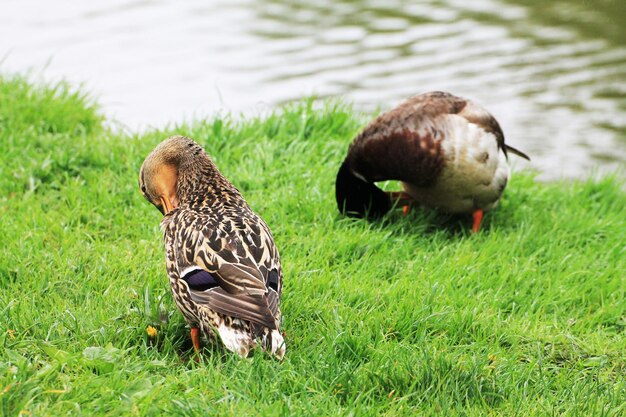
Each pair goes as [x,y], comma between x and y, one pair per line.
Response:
[448,152]
[223,266]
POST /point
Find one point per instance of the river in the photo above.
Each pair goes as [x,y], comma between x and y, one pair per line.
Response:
[552,72]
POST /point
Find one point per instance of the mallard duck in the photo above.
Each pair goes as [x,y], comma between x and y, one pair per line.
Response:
[448,152]
[223,266]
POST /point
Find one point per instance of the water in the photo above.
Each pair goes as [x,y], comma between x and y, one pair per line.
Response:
[553,73]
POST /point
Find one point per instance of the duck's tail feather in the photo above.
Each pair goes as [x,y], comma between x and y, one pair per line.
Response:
[516,152]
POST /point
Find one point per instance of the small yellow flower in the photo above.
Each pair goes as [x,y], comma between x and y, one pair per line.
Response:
[11,333]
[152,332]
[492,362]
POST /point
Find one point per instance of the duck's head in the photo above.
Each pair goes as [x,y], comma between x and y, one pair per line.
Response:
[357,197]
[171,170]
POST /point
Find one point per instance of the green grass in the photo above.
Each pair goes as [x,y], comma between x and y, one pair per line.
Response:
[406,316]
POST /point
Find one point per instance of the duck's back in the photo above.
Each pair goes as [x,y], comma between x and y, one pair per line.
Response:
[448,152]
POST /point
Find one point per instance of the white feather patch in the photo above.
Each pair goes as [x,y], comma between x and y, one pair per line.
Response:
[235,340]
[190,269]
[475,170]
[278,344]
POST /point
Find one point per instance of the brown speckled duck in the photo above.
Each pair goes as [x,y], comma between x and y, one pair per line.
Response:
[448,152]
[223,266]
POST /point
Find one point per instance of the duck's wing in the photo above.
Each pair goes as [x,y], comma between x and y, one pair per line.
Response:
[261,310]
[239,256]
[405,143]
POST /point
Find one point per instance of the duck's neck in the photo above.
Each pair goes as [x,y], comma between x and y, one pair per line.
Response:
[201,183]
[359,198]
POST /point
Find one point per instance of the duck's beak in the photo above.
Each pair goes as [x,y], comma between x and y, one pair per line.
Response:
[166,205]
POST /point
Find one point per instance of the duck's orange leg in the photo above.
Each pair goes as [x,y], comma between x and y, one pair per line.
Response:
[195,339]
[478,218]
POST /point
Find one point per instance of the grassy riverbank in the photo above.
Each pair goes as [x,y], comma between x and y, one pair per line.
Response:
[408,316]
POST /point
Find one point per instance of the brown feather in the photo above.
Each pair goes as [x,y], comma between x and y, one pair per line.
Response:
[256,309]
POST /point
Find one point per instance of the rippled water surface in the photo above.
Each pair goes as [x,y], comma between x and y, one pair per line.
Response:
[553,73]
